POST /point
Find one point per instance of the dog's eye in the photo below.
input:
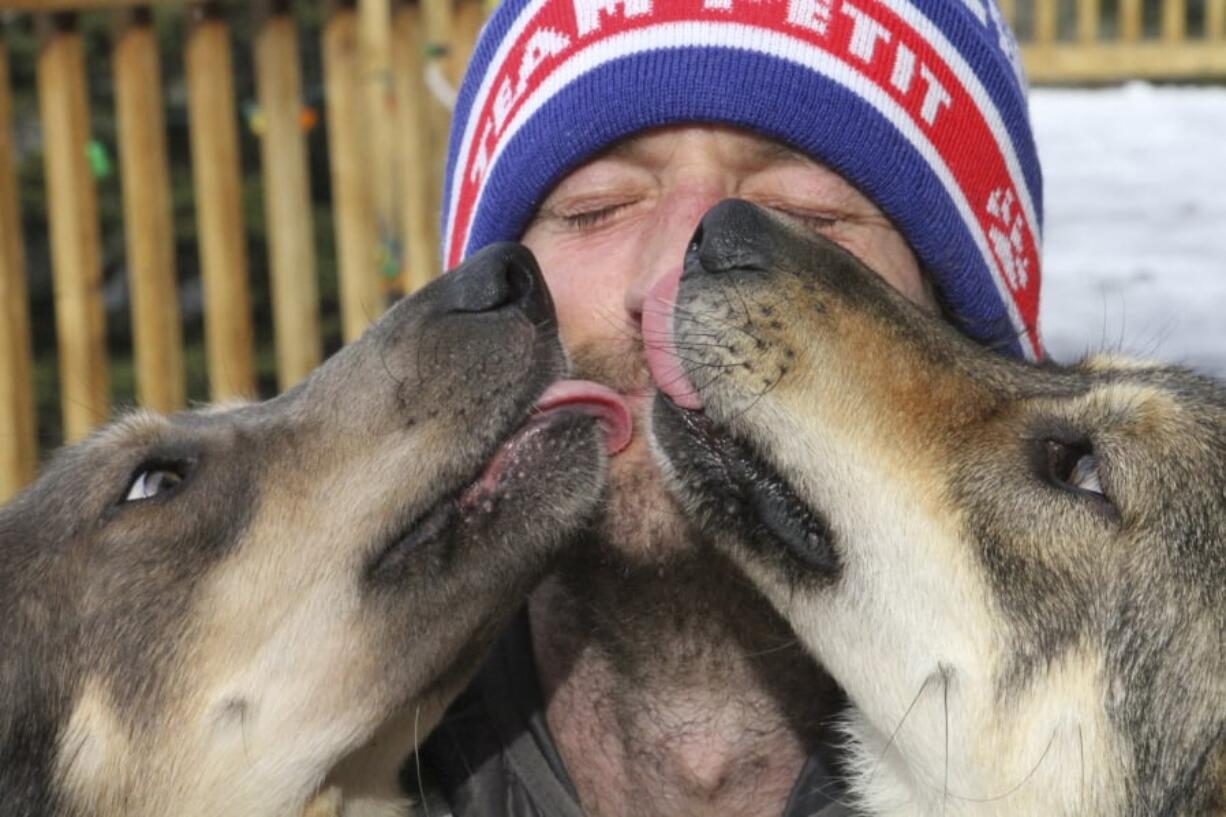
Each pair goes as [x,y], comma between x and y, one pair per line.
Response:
[152,480]
[1073,466]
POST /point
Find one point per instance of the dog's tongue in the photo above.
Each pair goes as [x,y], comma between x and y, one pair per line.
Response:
[661,348]
[595,400]
[581,396]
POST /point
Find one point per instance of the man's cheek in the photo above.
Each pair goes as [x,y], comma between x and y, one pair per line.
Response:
[590,280]
[890,258]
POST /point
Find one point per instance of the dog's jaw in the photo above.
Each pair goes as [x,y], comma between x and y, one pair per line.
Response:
[930,735]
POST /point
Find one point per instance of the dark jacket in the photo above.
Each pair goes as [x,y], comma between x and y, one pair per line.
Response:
[493,756]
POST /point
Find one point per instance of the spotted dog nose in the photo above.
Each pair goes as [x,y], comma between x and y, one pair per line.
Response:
[733,234]
[500,277]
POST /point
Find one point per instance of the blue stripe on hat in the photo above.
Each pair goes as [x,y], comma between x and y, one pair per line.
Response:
[608,104]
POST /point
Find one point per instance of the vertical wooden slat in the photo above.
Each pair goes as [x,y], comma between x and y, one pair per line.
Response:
[1045,22]
[73,213]
[1088,12]
[1008,8]
[18,452]
[356,232]
[1215,20]
[219,205]
[413,151]
[1174,20]
[287,201]
[441,69]
[148,219]
[379,97]
[469,15]
[1130,20]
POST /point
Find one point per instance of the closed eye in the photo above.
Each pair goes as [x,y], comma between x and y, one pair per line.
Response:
[810,220]
[592,218]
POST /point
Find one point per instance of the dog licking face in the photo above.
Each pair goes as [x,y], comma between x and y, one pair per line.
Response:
[230,610]
[1015,571]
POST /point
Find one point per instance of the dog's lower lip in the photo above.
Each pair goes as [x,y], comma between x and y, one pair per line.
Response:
[564,396]
[751,495]
[478,499]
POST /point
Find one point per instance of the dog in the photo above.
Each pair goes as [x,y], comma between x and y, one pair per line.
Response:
[261,609]
[1017,572]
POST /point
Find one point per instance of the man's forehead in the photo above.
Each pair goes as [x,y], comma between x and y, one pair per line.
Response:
[652,149]
[749,146]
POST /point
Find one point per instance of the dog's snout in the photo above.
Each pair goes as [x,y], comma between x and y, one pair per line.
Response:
[729,237]
[501,276]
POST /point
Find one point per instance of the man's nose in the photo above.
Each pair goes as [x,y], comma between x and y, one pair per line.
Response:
[665,247]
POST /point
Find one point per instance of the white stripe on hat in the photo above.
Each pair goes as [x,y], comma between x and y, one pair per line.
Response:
[970,82]
[509,41]
[771,43]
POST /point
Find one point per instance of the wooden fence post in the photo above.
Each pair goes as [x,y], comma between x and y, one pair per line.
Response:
[469,16]
[357,237]
[1008,8]
[157,332]
[1215,20]
[219,205]
[414,157]
[380,103]
[441,71]
[73,213]
[1174,20]
[1088,13]
[1131,21]
[287,199]
[1046,22]
[18,444]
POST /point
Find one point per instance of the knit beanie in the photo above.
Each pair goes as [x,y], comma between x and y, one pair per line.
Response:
[921,104]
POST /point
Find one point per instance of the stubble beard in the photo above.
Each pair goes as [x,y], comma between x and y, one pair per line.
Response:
[646,640]
[640,522]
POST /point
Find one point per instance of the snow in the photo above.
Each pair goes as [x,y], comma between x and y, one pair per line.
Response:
[1135,247]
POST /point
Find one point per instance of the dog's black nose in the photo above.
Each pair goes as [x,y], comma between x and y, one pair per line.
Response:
[733,234]
[500,276]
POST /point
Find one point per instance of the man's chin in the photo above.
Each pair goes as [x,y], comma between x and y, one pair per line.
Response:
[640,522]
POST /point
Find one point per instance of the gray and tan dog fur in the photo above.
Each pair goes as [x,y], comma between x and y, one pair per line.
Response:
[260,609]
[1017,572]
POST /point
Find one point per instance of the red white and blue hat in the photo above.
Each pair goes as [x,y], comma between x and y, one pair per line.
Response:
[921,104]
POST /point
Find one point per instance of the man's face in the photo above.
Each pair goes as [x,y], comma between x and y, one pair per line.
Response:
[618,224]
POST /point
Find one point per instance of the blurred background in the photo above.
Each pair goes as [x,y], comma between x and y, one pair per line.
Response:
[288,153]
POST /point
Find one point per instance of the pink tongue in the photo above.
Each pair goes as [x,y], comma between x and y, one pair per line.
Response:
[595,400]
[660,348]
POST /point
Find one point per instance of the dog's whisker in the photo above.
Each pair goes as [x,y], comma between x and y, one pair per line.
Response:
[1018,786]
[945,703]
[885,750]
[421,785]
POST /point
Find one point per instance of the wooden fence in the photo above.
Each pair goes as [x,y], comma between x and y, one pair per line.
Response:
[1080,41]
[386,135]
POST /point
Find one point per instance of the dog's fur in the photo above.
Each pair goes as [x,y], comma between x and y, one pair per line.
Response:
[1015,638]
[276,632]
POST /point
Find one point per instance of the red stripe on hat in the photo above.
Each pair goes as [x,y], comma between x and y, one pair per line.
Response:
[864,35]
[908,67]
